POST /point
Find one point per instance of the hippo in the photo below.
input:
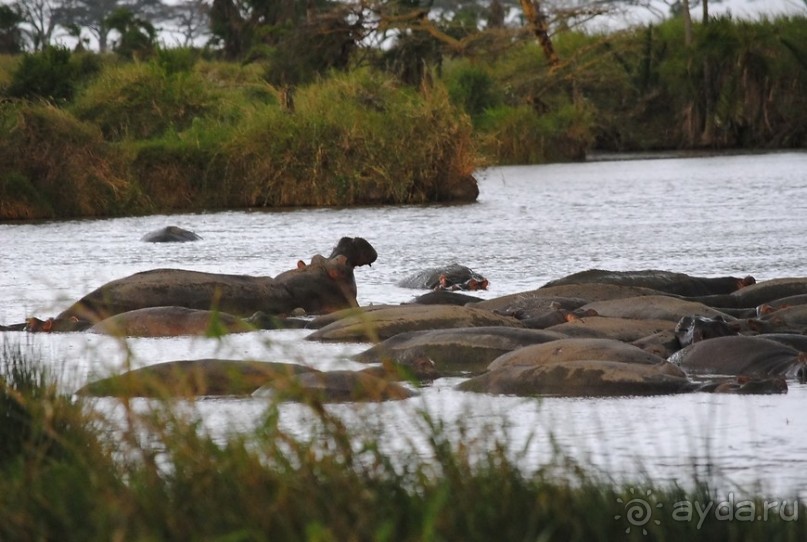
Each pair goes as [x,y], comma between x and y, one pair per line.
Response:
[325,285]
[782,303]
[581,377]
[171,322]
[746,385]
[661,281]
[691,329]
[757,294]
[799,342]
[662,343]
[582,292]
[450,277]
[563,350]
[792,319]
[622,329]
[194,377]
[525,307]
[381,324]
[741,355]
[456,351]
[170,234]
[656,307]
[444,297]
[334,387]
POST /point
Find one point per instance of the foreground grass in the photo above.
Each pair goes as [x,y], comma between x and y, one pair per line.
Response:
[68,474]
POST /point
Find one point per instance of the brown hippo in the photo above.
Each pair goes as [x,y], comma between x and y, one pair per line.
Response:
[785,302]
[661,281]
[381,324]
[653,307]
[741,355]
[193,377]
[455,351]
[563,350]
[527,306]
[575,292]
[171,322]
[334,386]
[757,294]
[622,329]
[449,277]
[792,319]
[170,234]
[324,285]
[746,385]
[581,377]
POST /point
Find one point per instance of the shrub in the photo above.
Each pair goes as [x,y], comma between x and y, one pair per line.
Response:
[57,166]
[47,74]
[142,100]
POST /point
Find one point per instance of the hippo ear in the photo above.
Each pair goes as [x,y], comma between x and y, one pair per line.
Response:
[300,264]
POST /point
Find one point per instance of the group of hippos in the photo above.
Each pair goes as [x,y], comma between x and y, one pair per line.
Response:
[593,333]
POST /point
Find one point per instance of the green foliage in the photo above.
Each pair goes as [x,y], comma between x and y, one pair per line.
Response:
[156,473]
[46,74]
[344,144]
[142,100]
[56,166]
[472,88]
[521,135]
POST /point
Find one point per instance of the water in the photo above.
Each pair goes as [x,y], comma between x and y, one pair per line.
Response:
[709,216]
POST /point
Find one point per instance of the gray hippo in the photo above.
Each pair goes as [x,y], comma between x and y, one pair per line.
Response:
[692,329]
[661,281]
[456,351]
[741,355]
[189,378]
[378,325]
[581,377]
[322,286]
[334,387]
[170,234]
[449,277]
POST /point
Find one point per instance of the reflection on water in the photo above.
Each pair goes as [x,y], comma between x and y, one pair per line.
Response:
[735,215]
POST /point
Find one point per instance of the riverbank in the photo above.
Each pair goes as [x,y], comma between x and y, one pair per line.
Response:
[90,135]
[70,473]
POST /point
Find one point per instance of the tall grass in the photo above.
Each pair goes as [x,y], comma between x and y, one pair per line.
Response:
[68,473]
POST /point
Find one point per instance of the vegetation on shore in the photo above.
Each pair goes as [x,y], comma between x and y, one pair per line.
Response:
[67,472]
[104,135]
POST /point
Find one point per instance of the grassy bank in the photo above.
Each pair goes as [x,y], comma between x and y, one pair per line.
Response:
[66,473]
[91,135]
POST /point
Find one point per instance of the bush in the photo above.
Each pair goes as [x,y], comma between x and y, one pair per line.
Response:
[472,89]
[56,166]
[47,74]
[142,101]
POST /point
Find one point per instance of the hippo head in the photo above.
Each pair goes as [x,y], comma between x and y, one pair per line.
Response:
[356,250]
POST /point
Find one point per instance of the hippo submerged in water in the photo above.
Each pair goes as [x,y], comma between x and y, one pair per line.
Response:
[324,285]
[449,277]
[170,234]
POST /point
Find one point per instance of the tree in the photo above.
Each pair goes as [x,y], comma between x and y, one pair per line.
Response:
[11,41]
[93,14]
[136,35]
[192,19]
[40,21]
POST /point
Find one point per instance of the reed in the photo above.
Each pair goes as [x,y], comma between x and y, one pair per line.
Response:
[154,472]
